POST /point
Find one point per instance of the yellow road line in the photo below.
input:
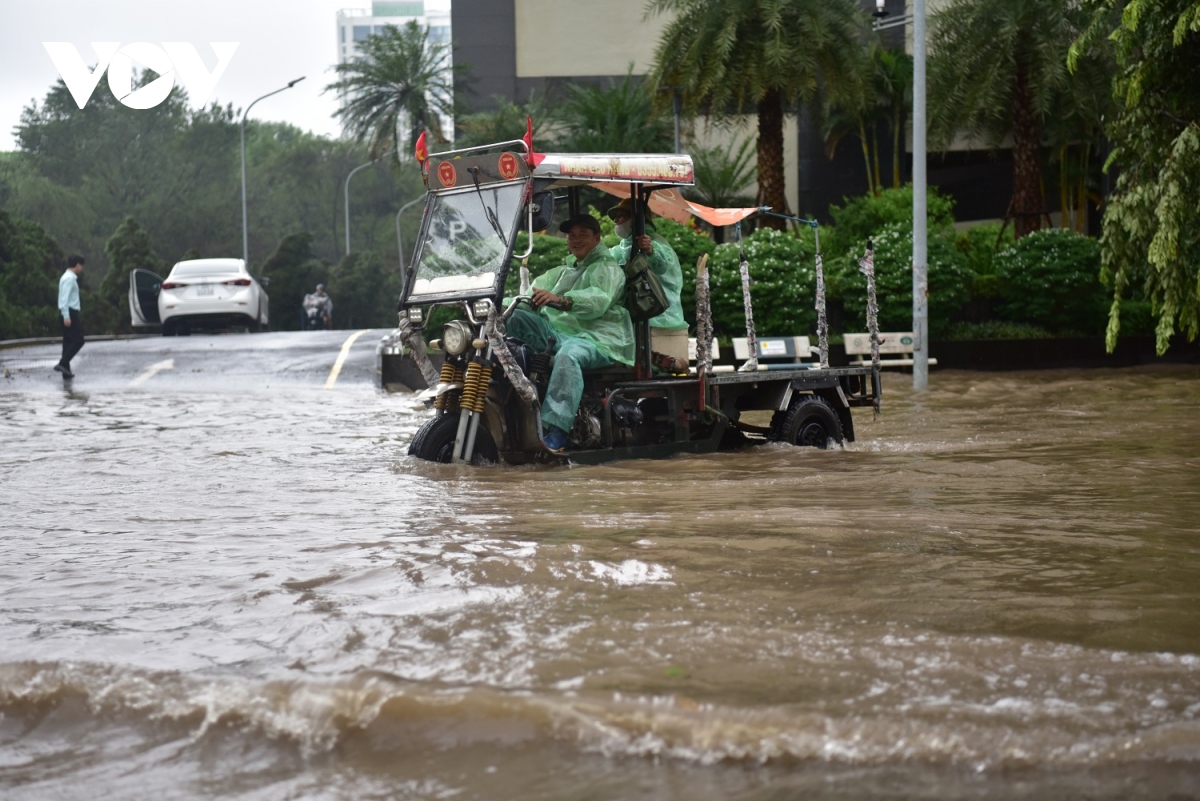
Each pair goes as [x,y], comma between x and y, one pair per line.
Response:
[337,366]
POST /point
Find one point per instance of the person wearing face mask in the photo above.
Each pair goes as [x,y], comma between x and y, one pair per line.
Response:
[668,330]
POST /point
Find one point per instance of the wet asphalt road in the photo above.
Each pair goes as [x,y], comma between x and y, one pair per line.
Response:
[222,362]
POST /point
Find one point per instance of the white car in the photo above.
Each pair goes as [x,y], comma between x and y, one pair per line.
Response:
[201,293]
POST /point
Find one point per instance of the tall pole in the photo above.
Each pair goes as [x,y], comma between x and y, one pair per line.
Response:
[920,213]
[347,203]
[245,231]
[399,241]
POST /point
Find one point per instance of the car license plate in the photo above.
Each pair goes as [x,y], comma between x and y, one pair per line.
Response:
[205,289]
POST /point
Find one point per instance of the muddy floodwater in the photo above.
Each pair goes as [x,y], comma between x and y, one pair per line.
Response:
[255,594]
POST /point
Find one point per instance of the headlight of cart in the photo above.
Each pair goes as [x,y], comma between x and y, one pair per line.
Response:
[416,315]
[480,308]
[456,336]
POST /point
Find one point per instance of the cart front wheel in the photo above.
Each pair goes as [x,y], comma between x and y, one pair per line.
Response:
[810,423]
[434,442]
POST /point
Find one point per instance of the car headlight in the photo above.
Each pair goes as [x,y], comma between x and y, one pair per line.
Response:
[456,336]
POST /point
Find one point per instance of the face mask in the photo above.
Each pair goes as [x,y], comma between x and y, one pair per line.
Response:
[625,229]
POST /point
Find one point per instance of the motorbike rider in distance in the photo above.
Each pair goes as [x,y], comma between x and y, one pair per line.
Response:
[318,309]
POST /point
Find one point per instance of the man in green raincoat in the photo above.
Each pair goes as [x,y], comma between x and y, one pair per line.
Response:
[590,325]
[663,262]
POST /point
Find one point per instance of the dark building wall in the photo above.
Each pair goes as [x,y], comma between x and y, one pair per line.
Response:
[485,38]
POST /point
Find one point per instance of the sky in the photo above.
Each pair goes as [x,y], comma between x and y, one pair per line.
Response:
[278,41]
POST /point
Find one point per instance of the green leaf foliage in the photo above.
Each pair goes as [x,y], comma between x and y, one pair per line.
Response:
[866,215]
[1150,241]
[294,271]
[128,249]
[950,280]
[1051,279]
[619,118]
[782,289]
[365,292]
[30,266]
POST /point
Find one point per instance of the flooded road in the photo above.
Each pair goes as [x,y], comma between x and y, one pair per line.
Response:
[250,592]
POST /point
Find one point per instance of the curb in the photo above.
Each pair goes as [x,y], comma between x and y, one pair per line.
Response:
[9,344]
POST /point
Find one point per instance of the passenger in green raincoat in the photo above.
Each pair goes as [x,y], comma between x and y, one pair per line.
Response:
[592,329]
[663,262]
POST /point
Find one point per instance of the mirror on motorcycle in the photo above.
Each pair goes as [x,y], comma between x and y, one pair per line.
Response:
[542,207]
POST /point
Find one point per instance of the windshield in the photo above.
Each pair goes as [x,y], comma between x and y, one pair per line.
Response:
[467,238]
[215,267]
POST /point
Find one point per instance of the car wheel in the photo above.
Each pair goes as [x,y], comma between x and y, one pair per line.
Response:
[809,423]
[434,442]
[169,329]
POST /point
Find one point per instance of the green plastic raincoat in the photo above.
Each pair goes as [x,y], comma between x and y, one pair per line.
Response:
[595,333]
[665,265]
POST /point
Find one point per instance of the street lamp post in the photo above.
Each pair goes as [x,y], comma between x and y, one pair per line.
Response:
[399,241]
[920,219]
[920,252]
[245,231]
[347,195]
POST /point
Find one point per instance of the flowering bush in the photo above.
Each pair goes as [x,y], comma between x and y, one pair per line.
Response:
[949,281]
[783,284]
[1051,278]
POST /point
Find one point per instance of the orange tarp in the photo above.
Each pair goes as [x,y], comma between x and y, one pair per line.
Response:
[671,204]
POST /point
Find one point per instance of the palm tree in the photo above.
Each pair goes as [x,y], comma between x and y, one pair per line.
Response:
[722,175]
[620,119]
[998,68]
[855,112]
[401,81]
[729,56]
[894,78]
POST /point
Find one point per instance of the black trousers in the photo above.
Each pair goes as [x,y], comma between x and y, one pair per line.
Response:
[72,338]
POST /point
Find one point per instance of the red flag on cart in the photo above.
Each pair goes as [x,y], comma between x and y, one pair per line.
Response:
[422,152]
[531,158]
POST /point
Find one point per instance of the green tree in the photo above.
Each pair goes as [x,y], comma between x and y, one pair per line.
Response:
[365,291]
[30,265]
[998,68]
[293,271]
[128,249]
[858,111]
[1150,236]
[401,85]
[766,55]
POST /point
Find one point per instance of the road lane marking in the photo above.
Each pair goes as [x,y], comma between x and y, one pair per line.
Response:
[153,370]
[341,359]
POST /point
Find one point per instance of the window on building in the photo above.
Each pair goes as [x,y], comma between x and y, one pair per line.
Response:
[439,33]
[362,33]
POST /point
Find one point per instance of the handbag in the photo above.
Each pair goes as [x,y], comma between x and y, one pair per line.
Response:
[644,295]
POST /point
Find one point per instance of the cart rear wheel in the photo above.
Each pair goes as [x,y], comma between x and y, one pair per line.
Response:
[434,442]
[810,423]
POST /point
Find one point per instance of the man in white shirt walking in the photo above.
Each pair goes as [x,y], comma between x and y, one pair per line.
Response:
[68,307]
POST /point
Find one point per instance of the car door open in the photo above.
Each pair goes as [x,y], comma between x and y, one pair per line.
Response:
[144,287]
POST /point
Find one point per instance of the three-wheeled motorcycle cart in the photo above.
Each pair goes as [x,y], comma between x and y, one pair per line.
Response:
[486,397]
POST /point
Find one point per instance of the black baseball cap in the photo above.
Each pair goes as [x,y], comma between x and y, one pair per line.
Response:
[586,220]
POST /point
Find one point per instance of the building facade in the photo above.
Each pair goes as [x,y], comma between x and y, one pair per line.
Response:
[516,47]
